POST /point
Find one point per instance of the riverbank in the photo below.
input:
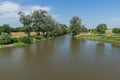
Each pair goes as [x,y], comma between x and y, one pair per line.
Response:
[97,37]
[20,43]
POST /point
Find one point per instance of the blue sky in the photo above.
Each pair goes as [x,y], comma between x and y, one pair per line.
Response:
[92,12]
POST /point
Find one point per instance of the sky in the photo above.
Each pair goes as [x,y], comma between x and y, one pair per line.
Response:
[92,12]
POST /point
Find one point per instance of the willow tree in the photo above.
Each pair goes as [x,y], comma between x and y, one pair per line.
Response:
[38,18]
[26,20]
[50,24]
[75,25]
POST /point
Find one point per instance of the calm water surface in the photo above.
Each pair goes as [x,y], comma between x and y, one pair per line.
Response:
[63,58]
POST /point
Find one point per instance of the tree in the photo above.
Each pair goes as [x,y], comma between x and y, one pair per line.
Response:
[83,29]
[75,25]
[41,21]
[49,25]
[116,30]
[101,28]
[5,28]
[17,29]
[5,38]
[38,18]
[26,20]
[65,29]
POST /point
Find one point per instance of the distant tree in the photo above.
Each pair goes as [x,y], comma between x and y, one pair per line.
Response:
[75,25]
[17,29]
[5,28]
[26,20]
[116,30]
[101,28]
[83,29]
[93,31]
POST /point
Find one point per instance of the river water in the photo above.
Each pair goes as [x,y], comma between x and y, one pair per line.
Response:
[62,58]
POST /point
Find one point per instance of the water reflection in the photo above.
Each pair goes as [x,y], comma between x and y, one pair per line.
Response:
[39,52]
[100,48]
[99,52]
[74,46]
[6,52]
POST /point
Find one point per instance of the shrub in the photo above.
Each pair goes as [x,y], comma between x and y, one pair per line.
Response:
[5,38]
[38,37]
[94,31]
[116,30]
[14,40]
[5,28]
[27,40]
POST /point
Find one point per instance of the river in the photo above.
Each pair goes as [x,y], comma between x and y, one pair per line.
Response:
[62,58]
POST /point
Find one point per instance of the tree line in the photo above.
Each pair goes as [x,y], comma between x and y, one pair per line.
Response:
[40,21]
[77,27]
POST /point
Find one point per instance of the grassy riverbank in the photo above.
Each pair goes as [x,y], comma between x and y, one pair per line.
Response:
[106,37]
[19,44]
[24,41]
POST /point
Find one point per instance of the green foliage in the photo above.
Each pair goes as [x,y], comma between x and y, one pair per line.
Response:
[60,29]
[101,37]
[116,30]
[41,21]
[38,20]
[76,26]
[94,31]
[17,29]
[14,40]
[38,37]
[101,28]
[84,29]
[26,20]
[27,40]
[64,29]
[5,38]
[5,28]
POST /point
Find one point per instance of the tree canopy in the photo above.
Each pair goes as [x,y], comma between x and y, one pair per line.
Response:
[41,21]
[116,30]
[101,28]
[75,25]
[5,28]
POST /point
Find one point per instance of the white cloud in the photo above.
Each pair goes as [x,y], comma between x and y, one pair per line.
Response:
[8,7]
[9,12]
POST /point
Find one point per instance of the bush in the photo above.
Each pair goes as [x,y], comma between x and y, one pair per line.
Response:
[116,30]
[5,38]
[38,37]
[14,40]
[27,40]
[94,31]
